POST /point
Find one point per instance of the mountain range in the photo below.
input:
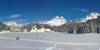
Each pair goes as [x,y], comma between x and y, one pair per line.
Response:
[58,20]
[89,24]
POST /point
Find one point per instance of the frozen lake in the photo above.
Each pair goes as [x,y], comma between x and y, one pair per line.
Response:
[49,41]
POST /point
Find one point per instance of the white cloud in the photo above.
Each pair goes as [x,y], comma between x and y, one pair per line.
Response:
[15,16]
[19,20]
[82,10]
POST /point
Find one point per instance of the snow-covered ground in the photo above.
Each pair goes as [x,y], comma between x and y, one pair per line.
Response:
[49,41]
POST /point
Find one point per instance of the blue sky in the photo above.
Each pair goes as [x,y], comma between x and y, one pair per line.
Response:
[28,11]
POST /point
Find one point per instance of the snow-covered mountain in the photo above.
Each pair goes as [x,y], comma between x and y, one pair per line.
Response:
[93,15]
[13,24]
[57,21]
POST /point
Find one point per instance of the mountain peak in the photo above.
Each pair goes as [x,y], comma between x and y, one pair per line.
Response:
[57,21]
[92,15]
[11,23]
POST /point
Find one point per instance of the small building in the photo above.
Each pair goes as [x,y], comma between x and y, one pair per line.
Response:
[14,29]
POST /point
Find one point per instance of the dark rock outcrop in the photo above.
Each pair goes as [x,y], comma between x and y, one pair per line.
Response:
[4,27]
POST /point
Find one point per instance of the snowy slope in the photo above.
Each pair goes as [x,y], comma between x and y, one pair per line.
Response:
[45,41]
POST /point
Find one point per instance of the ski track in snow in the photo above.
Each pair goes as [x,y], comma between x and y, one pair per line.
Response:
[24,47]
